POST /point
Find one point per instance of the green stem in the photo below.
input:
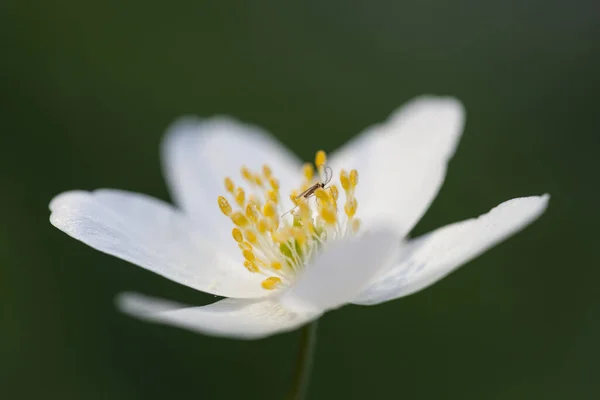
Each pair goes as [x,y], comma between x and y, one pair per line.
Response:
[306,350]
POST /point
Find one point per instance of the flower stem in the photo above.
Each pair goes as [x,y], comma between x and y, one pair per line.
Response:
[306,350]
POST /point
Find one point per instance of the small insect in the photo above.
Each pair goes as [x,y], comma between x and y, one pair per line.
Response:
[311,190]
[308,193]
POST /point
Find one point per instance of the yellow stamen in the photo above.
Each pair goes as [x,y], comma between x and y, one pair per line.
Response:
[267,171]
[240,197]
[246,174]
[250,266]
[293,196]
[237,235]
[270,283]
[262,226]
[308,171]
[258,180]
[273,222]
[229,186]
[303,209]
[270,209]
[328,215]
[320,158]
[254,199]
[355,225]
[322,195]
[272,195]
[276,265]
[245,246]
[250,236]
[311,228]
[251,212]
[274,183]
[279,237]
[239,219]
[249,255]
[297,234]
[350,207]
[224,206]
[354,178]
[334,192]
[344,180]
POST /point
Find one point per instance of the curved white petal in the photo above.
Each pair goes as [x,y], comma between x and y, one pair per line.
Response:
[199,153]
[402,162]
[342,271]
[233,318]
[440,252]
[155,236]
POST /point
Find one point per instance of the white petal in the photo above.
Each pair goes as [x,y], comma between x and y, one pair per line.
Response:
[155,236]
[199,153]
[402,162]
[234,318]
[342,271]
[440,252]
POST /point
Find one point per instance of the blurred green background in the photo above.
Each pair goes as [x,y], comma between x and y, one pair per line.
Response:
[89,87]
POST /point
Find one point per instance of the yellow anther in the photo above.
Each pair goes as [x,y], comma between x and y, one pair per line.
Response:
[254,199]
[262,226]
[320,158]
[279,237]
[245,246]
[250,266]
[355,225]
[282,235]
[322,195]
[350,207]
[344,180]
[237,235]
[251,212]
[300,236]
[272,195]
[334,192]
[270,209]
[239,219]
[270,283]
[229,186]
[267,171]
[249,255]
[273,222]
[258,180]
[288,232]
[250,236]
[311,228]
[328,215]
[294,197]
[308,171]
[224,206]
[246,174]
[240,197]
[276,265]
[274,183]
[303,209]
[305,186]
[354,178]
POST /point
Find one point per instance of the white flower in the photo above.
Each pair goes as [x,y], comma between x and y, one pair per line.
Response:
[281,270]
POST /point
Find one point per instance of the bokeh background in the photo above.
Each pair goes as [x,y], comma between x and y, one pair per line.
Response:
[87,89]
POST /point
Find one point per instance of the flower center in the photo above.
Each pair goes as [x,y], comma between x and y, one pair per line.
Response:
[277,241]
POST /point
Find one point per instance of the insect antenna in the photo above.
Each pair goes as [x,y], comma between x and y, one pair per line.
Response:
[289,211]
[328,176]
